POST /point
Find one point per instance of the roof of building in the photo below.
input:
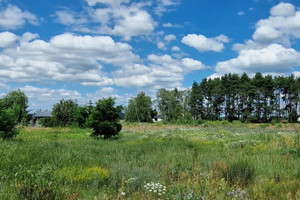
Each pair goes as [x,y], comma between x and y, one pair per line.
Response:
[43,114]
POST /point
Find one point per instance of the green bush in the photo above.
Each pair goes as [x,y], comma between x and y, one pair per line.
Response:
[263,125]
[241,172]
[48,122]
[278,125]
[200,121]
[8,122]
[105,119]
[64,112]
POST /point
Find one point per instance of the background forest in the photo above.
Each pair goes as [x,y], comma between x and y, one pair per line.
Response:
[260,99]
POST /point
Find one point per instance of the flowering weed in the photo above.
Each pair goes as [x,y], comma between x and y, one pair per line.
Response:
[156,189]
[83,175]
[238,194]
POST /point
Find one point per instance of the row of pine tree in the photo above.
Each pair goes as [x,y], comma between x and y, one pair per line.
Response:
[257,99]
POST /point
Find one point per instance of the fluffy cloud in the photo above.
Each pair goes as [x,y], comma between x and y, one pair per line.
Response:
[68,17]
[283,9]
[272,58]
[162,71]
[167,40]
[12,18]
[45,98]
[270,50]
[163,6]
[266,34]
[133,24]
[66,57]
[280,27]
[123,18]
[202,43]
[175,48]
[89,61]
[7,39]
[115,17]
[191,64]
[170,37]
[161,45]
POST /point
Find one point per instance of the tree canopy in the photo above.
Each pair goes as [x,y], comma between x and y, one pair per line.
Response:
[18,102]
[64,112]
[257,99]
[139,109]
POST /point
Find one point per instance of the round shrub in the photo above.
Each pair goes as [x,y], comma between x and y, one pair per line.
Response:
[104,119]
[8,122]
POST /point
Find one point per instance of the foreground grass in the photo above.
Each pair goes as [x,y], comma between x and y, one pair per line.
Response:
[212,161]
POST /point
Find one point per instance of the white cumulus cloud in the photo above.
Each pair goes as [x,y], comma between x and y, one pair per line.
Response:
[202,43]
[114,17]
[12,17]
[7,39]
[191,64]
[45,98]
[270,51]
[280,27]
[65,57]
[272,58]
[283,9]
[133,24]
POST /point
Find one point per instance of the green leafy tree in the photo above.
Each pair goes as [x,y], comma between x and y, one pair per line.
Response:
[18,102]
[131,113]
[139,109]
[170,104]
[104,118]
[8,122]
[64,112]
[81,116]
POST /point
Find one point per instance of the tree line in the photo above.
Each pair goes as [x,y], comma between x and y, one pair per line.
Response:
[103,117]
[259,99]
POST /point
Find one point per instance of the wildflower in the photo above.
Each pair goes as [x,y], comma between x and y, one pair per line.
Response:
[238,194]
[123,193]
[156,188]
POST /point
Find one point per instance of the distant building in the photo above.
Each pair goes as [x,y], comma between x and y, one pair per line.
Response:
[40,115]
[157,118]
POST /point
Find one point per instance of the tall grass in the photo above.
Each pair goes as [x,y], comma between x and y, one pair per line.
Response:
[190,161]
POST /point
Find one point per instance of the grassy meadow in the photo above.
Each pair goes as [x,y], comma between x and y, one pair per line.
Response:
[154,161]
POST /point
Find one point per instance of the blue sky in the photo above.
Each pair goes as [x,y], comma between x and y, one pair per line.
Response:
[92,49]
